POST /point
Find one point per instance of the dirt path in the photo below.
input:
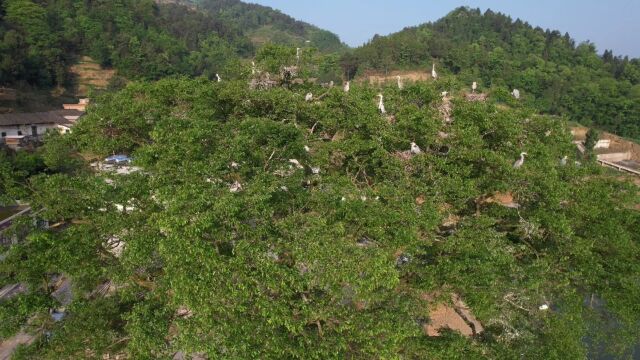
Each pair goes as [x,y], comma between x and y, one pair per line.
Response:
[89,74]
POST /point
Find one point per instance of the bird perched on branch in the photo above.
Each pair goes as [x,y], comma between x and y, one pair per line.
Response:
[383,111]
[563,161]
[218,77]
[518,164]
[415,149]
[235,187]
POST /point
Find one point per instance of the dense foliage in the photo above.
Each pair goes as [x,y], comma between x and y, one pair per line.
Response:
[15,169]
[554,73]
[142,39]
[234,251]
[138,37]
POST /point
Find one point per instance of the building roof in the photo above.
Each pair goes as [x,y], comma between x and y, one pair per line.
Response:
[50,117]
[68,112]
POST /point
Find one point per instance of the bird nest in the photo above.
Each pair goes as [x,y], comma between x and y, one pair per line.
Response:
[264,82]
[445,109]
[289,72]
[404,155]
[476,97]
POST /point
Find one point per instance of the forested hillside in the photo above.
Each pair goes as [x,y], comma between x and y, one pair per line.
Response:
[554,73]
[141,39]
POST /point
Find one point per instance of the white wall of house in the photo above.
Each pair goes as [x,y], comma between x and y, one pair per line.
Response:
[26,130]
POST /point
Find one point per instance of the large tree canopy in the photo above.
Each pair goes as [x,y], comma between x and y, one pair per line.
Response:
[265,226]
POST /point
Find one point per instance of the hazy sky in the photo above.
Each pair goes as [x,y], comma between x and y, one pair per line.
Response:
[610,24]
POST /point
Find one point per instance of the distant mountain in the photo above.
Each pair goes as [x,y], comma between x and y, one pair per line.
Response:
[263,24]
[554,73]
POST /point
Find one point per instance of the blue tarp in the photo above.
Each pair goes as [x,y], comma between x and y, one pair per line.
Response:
[118,159]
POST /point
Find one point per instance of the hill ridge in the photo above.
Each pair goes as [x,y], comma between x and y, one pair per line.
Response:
[557,75]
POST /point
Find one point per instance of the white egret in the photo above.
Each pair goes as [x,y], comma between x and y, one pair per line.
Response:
[415,149]
[235,187]
[434,74]
[347,86]
[381,104]
[563,161]
[518,164]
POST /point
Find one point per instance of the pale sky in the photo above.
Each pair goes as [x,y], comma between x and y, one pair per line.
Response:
[610,24]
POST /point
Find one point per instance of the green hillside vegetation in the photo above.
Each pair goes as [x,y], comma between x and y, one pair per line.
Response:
[264,24]
[234,251]
[141,39]
[554,74]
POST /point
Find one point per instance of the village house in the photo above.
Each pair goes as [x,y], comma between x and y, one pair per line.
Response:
[16,128]
[32,124]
